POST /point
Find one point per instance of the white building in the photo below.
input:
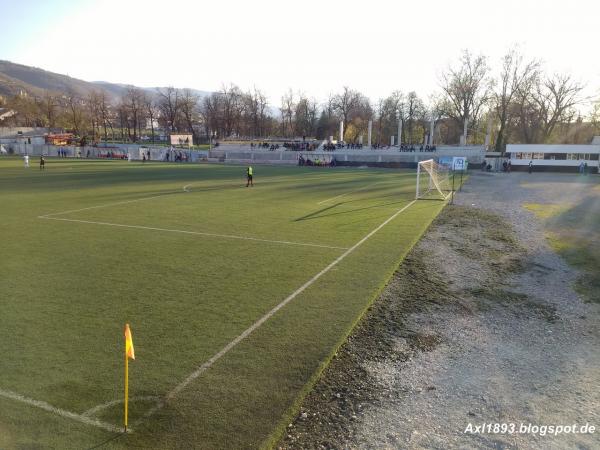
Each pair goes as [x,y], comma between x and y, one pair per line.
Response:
[6,113]
[152,124]
[559,158]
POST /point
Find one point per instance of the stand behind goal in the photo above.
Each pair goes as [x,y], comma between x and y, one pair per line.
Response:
[433,181]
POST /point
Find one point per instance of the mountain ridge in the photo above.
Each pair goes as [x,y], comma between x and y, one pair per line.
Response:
[35,81]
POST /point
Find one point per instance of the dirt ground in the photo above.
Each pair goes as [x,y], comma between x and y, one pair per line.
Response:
[480,325]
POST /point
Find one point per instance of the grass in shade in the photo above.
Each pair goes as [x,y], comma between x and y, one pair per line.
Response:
[573,231]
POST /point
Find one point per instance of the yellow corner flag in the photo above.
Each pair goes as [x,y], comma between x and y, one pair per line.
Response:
[129,353]
[128,343]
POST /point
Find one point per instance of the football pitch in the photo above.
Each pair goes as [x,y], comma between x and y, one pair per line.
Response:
[236,297]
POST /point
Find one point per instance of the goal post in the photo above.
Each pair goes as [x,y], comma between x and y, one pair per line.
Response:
[433,181]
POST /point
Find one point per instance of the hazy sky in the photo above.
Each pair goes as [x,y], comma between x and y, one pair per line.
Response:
[314,46]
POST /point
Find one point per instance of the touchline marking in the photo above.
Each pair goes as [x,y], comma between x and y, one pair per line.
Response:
[197,233]
[205,366]
[348,193]
[61,412]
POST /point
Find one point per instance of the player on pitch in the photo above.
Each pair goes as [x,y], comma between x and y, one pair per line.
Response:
[249,172]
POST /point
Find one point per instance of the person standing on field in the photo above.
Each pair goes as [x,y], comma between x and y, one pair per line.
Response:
[42,162]
[530,166]
[249,173]
[26,160]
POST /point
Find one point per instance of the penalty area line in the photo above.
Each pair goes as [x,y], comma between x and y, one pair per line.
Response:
[197,233]
[348,193]
[61,412]
[206,365]
[48,216]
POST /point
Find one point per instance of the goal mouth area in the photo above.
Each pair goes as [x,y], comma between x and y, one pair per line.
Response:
[433,181]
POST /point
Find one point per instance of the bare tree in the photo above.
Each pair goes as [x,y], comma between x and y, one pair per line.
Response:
[189,107]
[232,108]
[152,111]
[75,107]
[515,75]
[466,88]
[133,100]
[543,103]
[389,111]
[122,113]
[49,105]
[345,103]
[27,111]
[557,98]
[211,113]
[288,107]
[595,117]
[169,104]
[305,116]
[105,115]
[414,109]
[255,113]
[94,104]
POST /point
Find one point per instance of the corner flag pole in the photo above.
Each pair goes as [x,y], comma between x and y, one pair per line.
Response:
[129,353]
[126,384]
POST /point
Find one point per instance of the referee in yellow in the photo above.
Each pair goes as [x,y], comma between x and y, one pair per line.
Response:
[249,175]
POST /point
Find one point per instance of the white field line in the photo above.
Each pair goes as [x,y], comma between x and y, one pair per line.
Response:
[95,409]
[205,366]
[61,412]
[47,216]
[197,233]
[348,193]
[307,179]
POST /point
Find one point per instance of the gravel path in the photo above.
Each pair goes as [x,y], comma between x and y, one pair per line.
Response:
[479,325]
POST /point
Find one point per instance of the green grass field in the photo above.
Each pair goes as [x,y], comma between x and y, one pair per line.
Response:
[572,225]
[90,245]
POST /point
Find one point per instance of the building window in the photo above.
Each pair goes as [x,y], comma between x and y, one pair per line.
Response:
[558,156]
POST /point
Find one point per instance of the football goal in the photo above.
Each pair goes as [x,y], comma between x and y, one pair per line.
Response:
[433,181]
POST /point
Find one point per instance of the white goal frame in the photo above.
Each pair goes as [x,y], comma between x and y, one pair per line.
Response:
[439,179]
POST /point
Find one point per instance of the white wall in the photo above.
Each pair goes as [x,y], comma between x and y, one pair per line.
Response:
[548,148]
[552,162]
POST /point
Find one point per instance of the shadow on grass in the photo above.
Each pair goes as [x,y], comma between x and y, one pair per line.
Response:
[319,214]
[107,441]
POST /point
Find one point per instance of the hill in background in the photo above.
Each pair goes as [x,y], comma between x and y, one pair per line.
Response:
[15,78]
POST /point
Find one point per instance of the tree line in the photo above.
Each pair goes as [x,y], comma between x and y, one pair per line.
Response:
[521,103]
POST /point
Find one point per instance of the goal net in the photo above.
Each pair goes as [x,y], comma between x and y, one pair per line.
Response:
[433,181]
